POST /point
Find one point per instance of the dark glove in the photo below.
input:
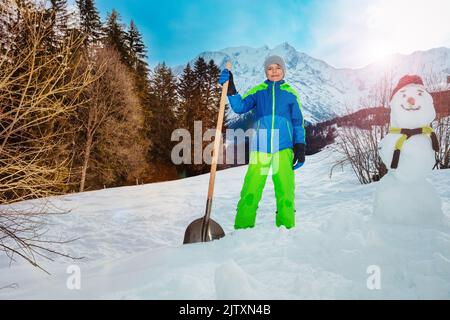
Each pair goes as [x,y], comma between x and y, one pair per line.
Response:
[225,76]
[299,155]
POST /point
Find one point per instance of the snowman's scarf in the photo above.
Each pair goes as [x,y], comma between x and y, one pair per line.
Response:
[408,133]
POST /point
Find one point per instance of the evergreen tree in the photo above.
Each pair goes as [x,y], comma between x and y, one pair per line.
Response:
[162,119]
[56,18]
[199,96]
[212,93]
[17,28]
[207,90]
[200,75]
[137,54]
[60,16]
[186,93]
[136,47]
[90,23]
[115,36]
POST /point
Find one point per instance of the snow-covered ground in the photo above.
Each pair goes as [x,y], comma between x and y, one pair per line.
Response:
[131,239]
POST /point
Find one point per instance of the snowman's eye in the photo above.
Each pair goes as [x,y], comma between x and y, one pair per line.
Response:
[404,95]
[420,93]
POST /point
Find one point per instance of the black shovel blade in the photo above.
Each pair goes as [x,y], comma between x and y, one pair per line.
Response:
[193,232]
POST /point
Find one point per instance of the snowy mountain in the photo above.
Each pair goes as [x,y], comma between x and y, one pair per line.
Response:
[131,238]
[325,91]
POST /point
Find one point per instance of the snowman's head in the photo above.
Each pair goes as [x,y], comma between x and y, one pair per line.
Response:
[411,105]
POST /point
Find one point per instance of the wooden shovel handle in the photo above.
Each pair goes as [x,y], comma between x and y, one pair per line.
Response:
[218,136]
[216,150]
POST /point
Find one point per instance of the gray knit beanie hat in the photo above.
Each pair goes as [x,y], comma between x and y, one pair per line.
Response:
[275,59]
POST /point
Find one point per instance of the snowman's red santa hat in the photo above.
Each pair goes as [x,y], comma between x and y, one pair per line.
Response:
[404,81]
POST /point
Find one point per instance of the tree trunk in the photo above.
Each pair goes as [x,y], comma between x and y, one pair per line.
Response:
[87,154]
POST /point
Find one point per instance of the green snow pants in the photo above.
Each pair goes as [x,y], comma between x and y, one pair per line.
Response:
[255,180]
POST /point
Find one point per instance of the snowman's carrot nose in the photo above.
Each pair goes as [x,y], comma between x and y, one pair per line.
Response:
[411,101]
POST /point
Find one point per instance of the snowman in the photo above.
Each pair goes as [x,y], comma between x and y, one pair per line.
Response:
[404,195]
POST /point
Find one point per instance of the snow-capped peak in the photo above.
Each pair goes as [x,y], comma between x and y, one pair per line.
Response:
[325,91]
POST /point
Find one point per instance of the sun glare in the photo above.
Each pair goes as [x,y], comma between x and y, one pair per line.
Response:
[401,26]
[379,53]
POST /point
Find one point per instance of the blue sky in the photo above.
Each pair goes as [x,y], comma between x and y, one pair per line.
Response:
[344,33]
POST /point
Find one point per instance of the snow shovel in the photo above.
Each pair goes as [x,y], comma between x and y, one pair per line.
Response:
[206,229]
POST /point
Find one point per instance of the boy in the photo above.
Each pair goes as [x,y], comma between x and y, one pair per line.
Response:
[279,142]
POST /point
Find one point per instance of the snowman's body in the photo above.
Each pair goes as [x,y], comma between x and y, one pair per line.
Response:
[416,156]
[404,195]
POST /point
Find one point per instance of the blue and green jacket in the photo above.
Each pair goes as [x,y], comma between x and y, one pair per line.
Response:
[279,120]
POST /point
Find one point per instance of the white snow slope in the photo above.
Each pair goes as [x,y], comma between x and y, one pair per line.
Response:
[131,239]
